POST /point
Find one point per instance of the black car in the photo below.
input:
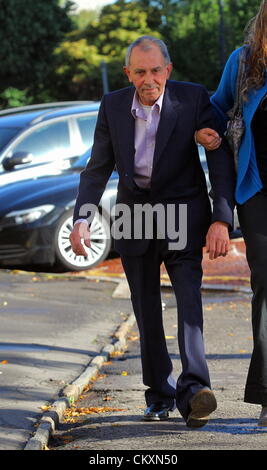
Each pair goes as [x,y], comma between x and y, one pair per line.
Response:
[36,220]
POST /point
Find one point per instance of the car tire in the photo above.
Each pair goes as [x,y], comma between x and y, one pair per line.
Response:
[100,243]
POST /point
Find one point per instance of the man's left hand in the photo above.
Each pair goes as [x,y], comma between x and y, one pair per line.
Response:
[217,240]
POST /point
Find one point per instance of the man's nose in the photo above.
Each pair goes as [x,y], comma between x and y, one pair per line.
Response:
[149,78]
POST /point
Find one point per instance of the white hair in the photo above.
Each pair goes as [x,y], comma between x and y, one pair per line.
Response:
[145,43]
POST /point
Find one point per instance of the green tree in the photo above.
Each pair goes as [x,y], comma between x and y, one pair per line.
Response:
[106,38]
[201,34]
[84,18]
[30,31]
[12,97]
[57,54]
[237,15]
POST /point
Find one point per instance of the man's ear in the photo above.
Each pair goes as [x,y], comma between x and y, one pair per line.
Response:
[169,70]
[128,73]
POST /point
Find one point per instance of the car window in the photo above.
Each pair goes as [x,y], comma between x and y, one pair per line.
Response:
[47,143]
[6,134]
[87,128]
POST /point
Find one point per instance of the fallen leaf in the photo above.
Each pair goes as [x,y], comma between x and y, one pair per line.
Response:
[133,338]
[4,362]
[101,376]
[68,439]
[116,353]
[87,388]
[45,407]
[124,373]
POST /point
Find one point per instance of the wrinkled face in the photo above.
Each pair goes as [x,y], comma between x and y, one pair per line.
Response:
[148,72]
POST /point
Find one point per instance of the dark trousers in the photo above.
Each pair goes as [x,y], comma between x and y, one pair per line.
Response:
[253,223]
[185,272]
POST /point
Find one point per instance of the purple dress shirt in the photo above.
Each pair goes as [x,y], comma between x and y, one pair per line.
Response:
[146,125]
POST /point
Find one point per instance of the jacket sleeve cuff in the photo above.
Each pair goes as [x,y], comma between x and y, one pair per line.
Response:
[222,212]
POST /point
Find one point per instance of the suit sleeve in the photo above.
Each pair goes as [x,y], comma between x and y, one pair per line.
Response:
[94,177]
[220,165]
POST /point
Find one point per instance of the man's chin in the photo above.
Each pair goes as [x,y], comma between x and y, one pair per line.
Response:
[150,98]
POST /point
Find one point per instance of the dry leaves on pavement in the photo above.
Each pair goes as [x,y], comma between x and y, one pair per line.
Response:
[71,414]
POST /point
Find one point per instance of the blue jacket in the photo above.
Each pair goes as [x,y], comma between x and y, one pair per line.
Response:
[248,179]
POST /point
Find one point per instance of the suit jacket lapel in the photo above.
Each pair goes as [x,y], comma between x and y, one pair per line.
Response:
[168,119]
[125,130]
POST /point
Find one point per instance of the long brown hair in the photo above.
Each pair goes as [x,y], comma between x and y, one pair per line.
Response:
[256,40]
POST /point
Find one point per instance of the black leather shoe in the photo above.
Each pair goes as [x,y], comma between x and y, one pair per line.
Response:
[157,412]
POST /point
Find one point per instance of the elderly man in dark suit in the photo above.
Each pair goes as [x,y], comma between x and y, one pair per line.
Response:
[147,131]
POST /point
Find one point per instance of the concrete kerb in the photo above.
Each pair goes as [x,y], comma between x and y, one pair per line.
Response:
[71,392]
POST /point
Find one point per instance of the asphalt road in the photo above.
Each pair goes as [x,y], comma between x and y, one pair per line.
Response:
[52,325]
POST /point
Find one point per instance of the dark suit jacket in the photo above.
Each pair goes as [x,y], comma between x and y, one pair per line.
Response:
[177,175]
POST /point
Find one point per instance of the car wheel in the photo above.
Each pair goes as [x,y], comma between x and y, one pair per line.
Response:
[100,244]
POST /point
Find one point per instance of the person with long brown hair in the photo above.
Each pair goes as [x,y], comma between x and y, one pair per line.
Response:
[251,183]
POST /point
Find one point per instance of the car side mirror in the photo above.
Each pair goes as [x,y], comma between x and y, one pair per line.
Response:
[18,158]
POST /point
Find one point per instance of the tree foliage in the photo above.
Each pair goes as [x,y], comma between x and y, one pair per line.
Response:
[53,53]
[201,34]
[29,32]
[104,39]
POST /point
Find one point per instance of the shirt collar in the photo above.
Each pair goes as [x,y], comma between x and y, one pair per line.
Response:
[136,105]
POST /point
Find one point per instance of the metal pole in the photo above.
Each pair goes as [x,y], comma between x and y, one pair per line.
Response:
[104,76]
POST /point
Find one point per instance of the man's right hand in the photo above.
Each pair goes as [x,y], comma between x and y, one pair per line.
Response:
[80,232]
[208,138]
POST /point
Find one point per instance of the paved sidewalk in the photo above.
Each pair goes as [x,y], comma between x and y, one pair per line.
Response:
[51,327]
[107,416]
